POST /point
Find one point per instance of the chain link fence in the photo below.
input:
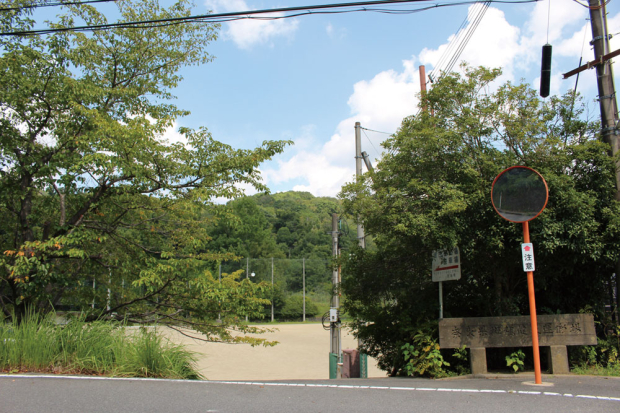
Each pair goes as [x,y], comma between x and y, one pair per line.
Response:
[301,288]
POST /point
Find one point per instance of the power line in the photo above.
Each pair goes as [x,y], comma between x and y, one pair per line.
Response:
[470,31]
[248,15]
[437,68]
[60,3]
[458,44]
[371,144]
[372,130]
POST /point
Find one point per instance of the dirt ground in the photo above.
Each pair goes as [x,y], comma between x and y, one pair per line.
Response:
[302,353]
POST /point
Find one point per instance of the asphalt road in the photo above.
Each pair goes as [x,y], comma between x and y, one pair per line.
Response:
[34,393]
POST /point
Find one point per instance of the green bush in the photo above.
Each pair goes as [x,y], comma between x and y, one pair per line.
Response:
[516,361]
[293,308]
[423,357]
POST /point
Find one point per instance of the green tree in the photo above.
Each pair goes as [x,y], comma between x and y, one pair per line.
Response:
[293,308]
[246,232]
[431,190]
[91,192]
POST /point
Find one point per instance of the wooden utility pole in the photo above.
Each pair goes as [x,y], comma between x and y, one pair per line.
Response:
[604,75]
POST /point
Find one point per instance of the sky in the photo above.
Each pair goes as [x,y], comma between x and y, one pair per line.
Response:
[309,79]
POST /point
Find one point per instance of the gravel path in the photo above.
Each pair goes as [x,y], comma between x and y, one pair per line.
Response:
[302,353]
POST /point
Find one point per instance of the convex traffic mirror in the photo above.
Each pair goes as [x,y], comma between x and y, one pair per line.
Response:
[519,194]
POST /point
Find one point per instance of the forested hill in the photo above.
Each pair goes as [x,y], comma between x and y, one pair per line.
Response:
[285,234]
[283,225]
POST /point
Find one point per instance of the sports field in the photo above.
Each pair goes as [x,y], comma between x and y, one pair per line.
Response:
[302,353]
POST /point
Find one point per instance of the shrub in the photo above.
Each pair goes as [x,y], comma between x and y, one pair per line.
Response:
[293,308]
[423,357]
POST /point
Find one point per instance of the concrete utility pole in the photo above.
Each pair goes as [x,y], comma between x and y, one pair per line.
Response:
[604,75]
[358,172]
[335,326]
[606,91]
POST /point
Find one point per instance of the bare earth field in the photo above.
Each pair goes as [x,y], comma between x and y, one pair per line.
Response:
[302,353]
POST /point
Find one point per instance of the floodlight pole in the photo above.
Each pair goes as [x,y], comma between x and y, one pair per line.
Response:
[533,319]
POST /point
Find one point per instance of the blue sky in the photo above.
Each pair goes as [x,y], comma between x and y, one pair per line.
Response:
[309,79]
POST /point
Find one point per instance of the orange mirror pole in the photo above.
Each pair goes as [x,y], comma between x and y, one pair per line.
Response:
[533,320]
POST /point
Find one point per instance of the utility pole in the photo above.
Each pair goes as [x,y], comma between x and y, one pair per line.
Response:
[272,289]
[606,90]
[358,173]
[334,324]
[604,75]
[303,282]
[422,71]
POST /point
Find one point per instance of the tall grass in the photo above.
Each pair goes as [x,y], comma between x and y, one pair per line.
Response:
[103,348]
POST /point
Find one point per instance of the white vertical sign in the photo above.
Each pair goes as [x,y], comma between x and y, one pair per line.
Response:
[527,252]
[446,265]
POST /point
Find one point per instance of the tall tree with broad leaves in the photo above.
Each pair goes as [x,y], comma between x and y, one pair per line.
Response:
[431,190]
[100,211]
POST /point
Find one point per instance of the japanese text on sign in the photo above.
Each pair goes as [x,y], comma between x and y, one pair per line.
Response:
[446,265]
[527,251]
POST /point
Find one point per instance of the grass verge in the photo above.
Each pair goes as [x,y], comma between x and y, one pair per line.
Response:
[38,344]
[611,370]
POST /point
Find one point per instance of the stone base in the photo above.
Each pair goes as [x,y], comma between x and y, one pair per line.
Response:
[558,360]
[478,360]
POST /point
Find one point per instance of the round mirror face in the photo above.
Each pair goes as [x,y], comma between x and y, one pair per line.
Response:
[519,194]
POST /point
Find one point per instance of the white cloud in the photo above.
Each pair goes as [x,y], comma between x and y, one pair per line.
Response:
[379,104]
[171,135]
[495,43]
[383,101]
[248,33]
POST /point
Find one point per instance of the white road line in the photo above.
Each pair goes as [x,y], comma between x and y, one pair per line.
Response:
[339,386]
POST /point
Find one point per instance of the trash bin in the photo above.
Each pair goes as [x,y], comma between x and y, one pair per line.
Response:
[350,364]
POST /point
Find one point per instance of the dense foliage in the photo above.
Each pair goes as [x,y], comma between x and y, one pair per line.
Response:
[432,191]
[90,191]
[280,237]
[288,227]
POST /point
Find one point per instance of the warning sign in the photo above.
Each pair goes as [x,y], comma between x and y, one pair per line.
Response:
[527,251]
[446,265]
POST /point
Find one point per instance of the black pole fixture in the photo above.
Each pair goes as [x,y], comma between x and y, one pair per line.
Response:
[545,71]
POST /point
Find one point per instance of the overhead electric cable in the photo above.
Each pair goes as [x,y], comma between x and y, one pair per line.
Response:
[248,15]
[548,19]
[56,4]
[459,42]
[371,144]
[470,32]
[437,68]
[377,131]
